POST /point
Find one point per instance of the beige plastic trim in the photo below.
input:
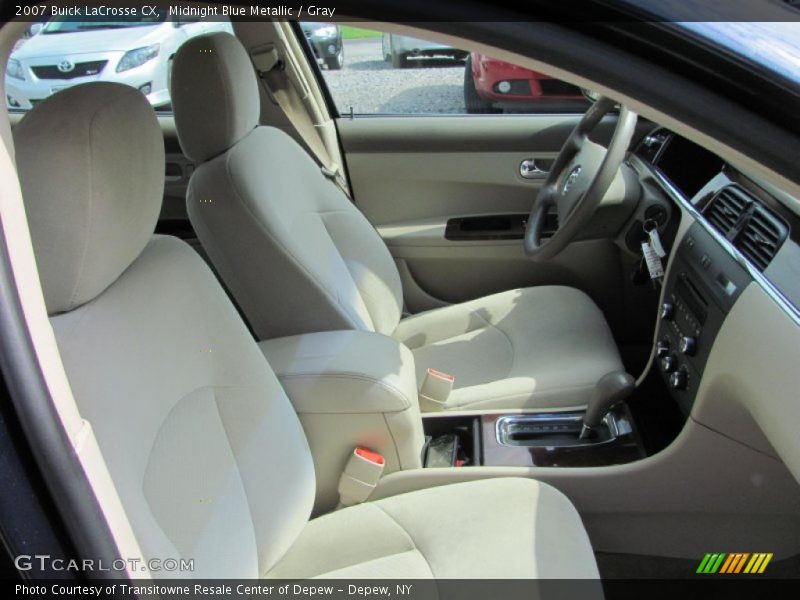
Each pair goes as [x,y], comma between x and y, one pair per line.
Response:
[704,491]
[20,250]
[8,37]
[749,389]
[502,411]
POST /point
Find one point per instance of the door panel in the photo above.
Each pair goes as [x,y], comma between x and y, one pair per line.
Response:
[410,175]
[436,166]
[441,184]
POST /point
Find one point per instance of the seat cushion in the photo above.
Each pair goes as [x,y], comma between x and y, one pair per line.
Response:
[541,347]
[496,528]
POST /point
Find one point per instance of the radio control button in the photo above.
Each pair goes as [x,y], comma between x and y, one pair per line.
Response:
[679,380]
[669,364]
[667,311]
[687,345]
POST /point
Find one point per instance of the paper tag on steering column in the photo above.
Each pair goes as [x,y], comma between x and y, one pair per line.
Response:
[655,243]
[653,261]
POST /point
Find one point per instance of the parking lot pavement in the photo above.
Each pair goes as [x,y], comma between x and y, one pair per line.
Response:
[370,85]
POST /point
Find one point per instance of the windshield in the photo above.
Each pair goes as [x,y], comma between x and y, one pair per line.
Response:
[775,45]
[73,24]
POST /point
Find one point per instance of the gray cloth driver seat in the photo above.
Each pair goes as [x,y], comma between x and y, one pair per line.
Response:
[299,257]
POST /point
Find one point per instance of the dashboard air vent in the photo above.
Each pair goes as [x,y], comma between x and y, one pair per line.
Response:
[727,208]
[749,225]
[761,237]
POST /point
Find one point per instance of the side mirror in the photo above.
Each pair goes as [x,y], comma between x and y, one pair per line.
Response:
[35,28]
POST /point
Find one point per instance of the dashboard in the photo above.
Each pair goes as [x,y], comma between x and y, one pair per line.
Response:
[688,166]
[741,234]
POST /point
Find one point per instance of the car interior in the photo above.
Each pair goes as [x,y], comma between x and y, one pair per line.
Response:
[289,343]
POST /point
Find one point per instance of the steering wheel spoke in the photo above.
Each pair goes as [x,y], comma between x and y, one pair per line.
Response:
[578,180]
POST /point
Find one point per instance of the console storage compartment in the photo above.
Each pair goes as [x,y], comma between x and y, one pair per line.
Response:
[350,388]
[461,433]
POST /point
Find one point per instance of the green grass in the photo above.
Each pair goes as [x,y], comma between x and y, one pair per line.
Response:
[358,33]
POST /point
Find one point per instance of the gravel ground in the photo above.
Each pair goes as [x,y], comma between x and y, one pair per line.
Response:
[370,85]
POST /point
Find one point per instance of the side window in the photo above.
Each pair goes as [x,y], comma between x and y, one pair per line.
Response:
[375,73]
[65,52]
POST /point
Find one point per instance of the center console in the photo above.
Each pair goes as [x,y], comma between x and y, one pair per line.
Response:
[529,440]
[703,283]
[356,390]
[350,389]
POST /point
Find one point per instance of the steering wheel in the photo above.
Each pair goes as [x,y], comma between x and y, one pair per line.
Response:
[578,180]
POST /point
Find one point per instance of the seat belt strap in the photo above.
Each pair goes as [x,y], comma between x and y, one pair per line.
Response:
[335,174]
[269,63]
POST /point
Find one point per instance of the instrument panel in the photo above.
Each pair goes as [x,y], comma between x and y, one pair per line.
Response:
[742,234]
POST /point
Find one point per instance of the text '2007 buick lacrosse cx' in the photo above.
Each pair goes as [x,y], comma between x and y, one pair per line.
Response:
[289,322]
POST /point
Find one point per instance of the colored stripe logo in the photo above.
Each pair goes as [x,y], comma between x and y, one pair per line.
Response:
[734,563]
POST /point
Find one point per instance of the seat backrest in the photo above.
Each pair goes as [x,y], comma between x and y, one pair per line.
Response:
[296,254]
[201,442]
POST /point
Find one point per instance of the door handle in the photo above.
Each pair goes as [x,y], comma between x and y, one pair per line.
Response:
[528,169]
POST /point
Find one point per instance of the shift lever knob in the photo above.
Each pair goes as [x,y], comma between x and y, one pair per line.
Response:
[610,390]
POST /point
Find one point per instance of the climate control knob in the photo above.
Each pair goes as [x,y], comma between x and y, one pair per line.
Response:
[679,380]
[667,311]
[669,364]
[687,345]
[662,348]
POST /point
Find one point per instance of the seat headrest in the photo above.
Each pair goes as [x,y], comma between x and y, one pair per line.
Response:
[214,95]
[90,160]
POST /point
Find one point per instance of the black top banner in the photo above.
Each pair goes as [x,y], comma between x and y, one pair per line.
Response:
[409,11]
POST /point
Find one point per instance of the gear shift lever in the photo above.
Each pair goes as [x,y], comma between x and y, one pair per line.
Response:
[610,390]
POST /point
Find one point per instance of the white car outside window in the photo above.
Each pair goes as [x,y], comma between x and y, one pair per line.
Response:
[67,52]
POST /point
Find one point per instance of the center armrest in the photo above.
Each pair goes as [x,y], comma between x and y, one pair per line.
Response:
[362,372]
[350,389]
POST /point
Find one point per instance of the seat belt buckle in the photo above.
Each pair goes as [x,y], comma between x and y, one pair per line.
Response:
[360,476]
[435,390]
